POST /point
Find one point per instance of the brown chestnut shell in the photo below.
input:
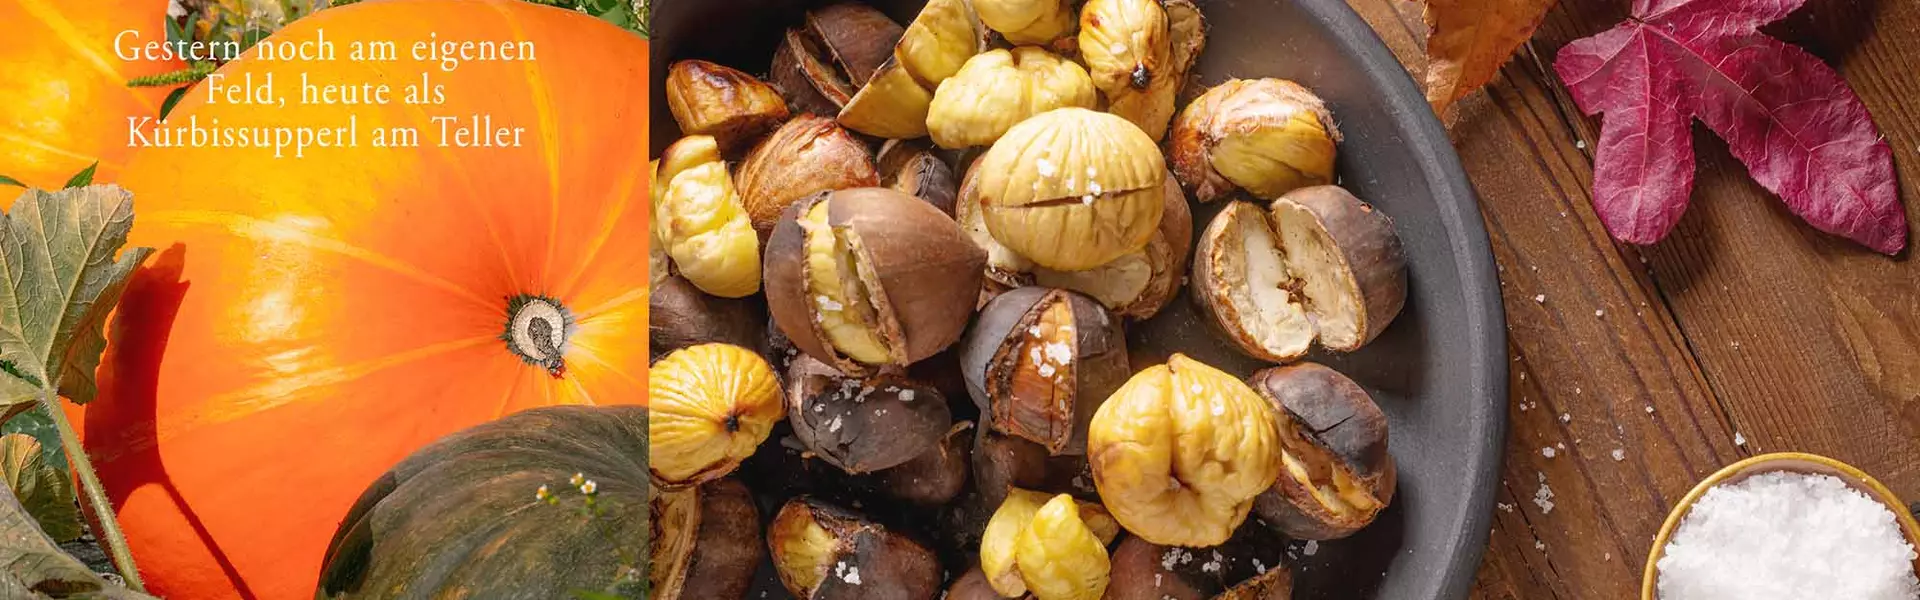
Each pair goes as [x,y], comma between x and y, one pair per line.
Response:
[807,155]
[680,315]
[863,425]
[1247,567]
[707,541]
[920,271]
[820,64]
[936,476]
[1040,361]
[1002,462]
[732,106]
[825,552]
[911,167]
[1335,431]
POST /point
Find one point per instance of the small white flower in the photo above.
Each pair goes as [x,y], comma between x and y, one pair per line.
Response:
[577,479]
[589,487]
[543,493]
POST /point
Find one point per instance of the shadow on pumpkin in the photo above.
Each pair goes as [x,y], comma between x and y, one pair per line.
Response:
[130,375]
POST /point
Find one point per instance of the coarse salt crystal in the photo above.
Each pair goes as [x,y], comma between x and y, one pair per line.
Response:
[1311,547]
[1543,497]
[1739,440]
[1547,452]
[906,395]
[1045,167]
[1619,454]
[1540,298]
[1782,535]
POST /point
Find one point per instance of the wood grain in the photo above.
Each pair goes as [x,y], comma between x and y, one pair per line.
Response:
[1635,368]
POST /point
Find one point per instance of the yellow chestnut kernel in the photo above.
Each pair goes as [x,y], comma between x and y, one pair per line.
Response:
[711,407]
[1001,88]
[1180,452]
[1072,189]
[701,221]
[1060,557]
[1126,43]
[840,296]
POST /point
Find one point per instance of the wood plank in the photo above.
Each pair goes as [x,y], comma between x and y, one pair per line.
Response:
[1602,332]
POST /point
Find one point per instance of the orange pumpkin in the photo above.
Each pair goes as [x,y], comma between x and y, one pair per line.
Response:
[309,322]
[64,99]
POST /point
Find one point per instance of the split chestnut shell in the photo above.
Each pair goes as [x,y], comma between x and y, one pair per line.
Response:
[808,154]
[1338,474]
[1040,361]
[863,425]
[824,552]
[869,280]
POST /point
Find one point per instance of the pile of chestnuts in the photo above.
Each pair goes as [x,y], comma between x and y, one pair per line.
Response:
[892,280]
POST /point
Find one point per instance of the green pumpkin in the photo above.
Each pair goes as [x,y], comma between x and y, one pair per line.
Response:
[464,517]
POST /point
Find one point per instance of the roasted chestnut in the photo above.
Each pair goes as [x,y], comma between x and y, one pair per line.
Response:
[1238,570]
[1053,546]
[719,101]
[1003,462]
[893,104]
[863,425]
[824,552]
[706,542]
[1267,136]
[711,406]
[1006,269]
[1000,88]
[936,476]
[868,280]
[808,154]
[1180,452]
[1072,189]
[1028,22]
[820,64]
[912,168]
[1337,473]
[1040,361]
[680,315]
[1142,282]
[972,585]
[1152,108]
[1320,265]
[701,221]
[1126,44]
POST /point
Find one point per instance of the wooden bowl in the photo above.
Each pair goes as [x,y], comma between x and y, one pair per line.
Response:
[1798,462]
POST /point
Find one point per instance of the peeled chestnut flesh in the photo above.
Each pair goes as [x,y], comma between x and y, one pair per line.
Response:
[825,552]
[720,101]
[1180,452]
[869,280]
[680,315]
[707,542]
[1138,284]
[1265,136]
[712,406]
[1321,265]
[863,425]
[1337,474]
[912,168]
[1053,546]
[1040,361]
[1247,567]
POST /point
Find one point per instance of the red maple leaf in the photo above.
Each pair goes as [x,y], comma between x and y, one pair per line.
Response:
[1801,132]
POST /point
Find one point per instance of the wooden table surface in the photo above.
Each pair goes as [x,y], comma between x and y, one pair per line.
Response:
[1644,369]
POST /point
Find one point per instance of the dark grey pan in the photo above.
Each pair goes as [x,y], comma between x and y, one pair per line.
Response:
[1439,371]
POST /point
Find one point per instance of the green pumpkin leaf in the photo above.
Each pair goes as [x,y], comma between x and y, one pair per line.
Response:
[84,178]
[58,281]
[42,489]
[33,567]
[5,180]
[29,418]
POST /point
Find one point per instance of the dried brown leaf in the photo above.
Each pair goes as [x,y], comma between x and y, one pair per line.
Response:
[1468,41]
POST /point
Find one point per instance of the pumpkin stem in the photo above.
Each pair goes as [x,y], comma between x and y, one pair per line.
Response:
[115,541]
[537,331]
